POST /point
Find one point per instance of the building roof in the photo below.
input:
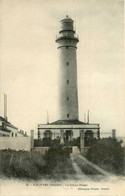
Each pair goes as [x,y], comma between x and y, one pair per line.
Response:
[67,122]
[4,129]
[2,119]
[7,123]
[12,126]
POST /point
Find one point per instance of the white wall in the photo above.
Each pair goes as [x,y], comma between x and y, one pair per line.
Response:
[15,143]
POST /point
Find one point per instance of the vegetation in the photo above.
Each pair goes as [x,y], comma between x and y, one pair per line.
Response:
[74,142]
[32,165]
[49,142]
[108,154]
[58,161]
[87,170]
[21,164]
[46,142]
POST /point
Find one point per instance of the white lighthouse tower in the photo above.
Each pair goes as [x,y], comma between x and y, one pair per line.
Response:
[67,126]
[68,93]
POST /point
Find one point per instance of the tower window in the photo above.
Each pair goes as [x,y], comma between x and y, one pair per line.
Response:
[67,98]
[67,47]
[67,81]
[67,115]
[67,63]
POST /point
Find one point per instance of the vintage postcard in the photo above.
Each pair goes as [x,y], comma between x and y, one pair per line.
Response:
[62,98]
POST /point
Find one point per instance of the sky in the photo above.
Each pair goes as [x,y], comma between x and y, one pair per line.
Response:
[29,60]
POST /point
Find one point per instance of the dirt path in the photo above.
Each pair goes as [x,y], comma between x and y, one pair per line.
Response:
[100,170]
[87,170]
[79,173]
[75,165]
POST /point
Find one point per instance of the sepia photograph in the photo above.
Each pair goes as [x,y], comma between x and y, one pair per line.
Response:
[62,98]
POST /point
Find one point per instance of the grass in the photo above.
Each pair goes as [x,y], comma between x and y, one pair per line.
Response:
[21,164]
[55,164]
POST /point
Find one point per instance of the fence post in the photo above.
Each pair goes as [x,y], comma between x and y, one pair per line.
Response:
[61,137]
[82,145]
[113,133]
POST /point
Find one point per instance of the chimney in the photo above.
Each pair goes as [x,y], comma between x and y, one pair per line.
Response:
[5,107]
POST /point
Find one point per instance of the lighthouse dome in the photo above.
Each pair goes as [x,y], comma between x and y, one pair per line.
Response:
[67,18]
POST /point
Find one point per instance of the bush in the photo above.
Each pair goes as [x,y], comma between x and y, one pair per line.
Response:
[54,164]
[108,154]
[21,164]
[58,162]
[74,142]
[46,142]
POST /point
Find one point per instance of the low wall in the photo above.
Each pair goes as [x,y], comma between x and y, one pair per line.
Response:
[42,150]
[15,143]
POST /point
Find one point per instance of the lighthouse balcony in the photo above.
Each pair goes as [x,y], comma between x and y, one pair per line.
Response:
[69,36]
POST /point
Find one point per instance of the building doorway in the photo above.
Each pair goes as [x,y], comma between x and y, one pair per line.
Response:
[69,135]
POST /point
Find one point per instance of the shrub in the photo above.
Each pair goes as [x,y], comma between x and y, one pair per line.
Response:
[32,165]
[108,154]
[45,142]
[21,164]
[58,162]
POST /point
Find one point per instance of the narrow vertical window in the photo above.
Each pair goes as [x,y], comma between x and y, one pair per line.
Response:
[66,47]
[67,115]
[67,63]
[67,81]
[67,98]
